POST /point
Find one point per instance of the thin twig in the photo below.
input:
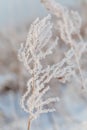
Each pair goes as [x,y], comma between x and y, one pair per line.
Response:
[33,85]
[29,123]
[78,64]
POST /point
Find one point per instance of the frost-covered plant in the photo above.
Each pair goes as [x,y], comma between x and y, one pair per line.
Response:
[31,53]
[68,23]
[39,44]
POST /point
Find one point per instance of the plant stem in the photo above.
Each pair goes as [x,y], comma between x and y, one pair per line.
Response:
[33,85]
[29,123]
[78,64]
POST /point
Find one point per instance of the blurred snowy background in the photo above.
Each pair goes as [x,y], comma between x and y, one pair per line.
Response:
[15,19]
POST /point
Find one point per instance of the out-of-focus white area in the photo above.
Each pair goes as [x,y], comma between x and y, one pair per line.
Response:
[16,12]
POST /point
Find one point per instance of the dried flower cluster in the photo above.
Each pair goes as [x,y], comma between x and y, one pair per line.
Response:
[40,43]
